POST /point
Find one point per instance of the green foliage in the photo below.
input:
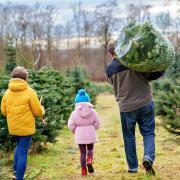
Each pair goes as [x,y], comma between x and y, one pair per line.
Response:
[142,48]
[167,97]
[6,141]
[58,92]
[80,80]
[10,51]
[103,88]
[174,69]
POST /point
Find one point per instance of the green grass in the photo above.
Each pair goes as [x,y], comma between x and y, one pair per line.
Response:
[61,160]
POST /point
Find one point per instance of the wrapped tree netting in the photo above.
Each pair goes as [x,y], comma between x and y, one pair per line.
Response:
[143,48]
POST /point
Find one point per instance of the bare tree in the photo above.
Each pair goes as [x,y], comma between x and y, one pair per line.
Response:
[67,33]
[105,23]
[146,16]
[4,17]
[133,12]
[22,21]
[58,33]
[36,32]
[29,27]
[36,22]
[77,16]
[163,20]
[87,26]
[49,22]
[138,12]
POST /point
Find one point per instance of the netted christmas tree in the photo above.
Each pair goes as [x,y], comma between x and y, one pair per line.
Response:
[143,48]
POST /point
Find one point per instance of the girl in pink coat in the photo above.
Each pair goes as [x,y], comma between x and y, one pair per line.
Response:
[83,122]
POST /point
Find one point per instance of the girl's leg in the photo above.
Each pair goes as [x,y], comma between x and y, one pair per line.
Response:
[24,144]
[82,148]
[90,158]
[90,148]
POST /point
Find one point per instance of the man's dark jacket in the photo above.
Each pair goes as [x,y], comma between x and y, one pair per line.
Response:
[131,88]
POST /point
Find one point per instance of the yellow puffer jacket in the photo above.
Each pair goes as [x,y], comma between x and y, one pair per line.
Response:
[20,104]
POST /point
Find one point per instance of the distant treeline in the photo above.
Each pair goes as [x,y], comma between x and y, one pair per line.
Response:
[41,40]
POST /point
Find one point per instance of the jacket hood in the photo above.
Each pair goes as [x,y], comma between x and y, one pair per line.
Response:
[17,84]
[84,109]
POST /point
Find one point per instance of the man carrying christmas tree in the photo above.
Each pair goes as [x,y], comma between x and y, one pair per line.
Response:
[133,94]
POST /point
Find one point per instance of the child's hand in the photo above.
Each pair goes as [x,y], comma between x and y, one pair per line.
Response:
[44,121]
[41,100]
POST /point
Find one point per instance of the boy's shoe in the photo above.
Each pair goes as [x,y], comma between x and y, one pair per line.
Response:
[148,166]
[13,177]
[84,171]
[89,165]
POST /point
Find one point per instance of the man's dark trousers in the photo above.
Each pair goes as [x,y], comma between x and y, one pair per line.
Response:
[146,120]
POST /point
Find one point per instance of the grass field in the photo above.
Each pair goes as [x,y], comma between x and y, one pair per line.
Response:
[61,160]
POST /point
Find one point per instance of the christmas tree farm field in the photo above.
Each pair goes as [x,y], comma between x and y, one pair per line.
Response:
[61,160]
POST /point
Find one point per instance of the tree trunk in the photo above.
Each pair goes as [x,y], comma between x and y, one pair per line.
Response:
[105,45]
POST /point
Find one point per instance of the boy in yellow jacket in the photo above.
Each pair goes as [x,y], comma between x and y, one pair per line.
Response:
[20,104]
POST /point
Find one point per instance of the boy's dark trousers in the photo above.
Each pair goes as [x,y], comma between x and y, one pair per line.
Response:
[146,120]
[84,152]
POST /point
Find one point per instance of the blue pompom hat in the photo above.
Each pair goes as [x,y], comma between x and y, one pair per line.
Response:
[82,96]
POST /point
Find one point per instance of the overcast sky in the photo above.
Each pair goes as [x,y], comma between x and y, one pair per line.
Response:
[65,11]
[66,3]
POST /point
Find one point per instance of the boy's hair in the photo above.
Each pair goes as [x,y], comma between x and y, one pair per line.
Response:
[111,47]
[20,72]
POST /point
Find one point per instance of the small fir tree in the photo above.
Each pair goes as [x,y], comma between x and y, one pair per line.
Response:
[167,97]
[10,52]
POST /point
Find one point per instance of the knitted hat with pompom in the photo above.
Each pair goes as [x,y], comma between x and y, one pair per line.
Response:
[82,96]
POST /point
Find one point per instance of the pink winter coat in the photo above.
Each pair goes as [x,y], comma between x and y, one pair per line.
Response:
[83,122]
